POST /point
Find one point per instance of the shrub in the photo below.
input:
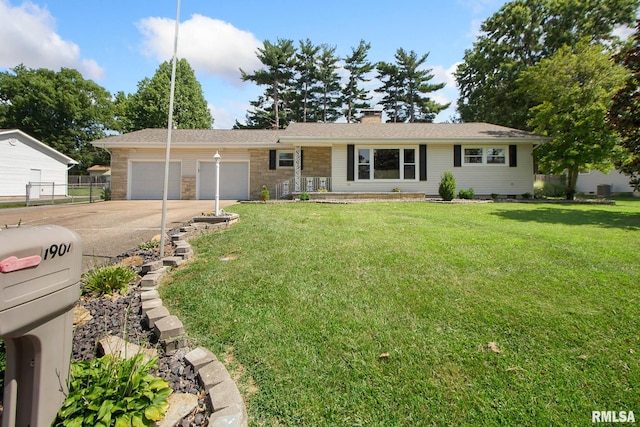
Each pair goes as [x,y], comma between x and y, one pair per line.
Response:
[542,189]
[106,194]
[494,196]
[527,196]
[396,190]
[447,188]
[264,194]
[107,280]
[305,196]
[466,194]
[113,392]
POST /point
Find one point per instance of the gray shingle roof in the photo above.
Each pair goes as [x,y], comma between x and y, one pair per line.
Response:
[319,132]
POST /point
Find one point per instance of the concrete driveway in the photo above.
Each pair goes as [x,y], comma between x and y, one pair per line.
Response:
[110,228]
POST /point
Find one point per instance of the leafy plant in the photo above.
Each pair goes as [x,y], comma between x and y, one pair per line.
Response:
[494,196]
[466,194]
[107,280]
[447,188]
[305,196]
[108,391]
[544,189]
[527,196]
[3,363]
[396,190]
[264,194]
[149,245]
[106,194]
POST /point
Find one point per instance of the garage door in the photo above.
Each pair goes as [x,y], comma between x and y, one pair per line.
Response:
[234,181]
[147,181]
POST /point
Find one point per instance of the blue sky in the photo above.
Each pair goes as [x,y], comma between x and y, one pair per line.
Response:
[118,43]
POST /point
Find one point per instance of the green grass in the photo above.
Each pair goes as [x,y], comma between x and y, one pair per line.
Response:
[313,294]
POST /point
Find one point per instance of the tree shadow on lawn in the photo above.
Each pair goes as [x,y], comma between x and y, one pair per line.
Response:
[598,217]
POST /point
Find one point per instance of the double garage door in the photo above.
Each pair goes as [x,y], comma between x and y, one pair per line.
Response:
[147,181]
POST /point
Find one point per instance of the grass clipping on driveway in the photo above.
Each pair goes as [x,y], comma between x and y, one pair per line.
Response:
[396,314]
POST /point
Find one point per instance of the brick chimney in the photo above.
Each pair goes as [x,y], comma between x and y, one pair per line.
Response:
[371,116]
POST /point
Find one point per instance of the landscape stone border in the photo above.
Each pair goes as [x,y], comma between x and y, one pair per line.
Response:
[228,407]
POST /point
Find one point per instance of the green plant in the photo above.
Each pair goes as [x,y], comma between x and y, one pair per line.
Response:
[106,194]
[466,194]
[305,196]
[3,363]
[322,190]
[494,196]
[107,280]
[396,190]
[113,392]
[544,189]
[447,188]
[527,196]
[264,194]
[149,245]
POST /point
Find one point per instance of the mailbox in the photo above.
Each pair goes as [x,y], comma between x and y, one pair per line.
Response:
[40,271]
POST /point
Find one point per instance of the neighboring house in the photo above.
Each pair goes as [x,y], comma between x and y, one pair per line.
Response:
[345,158]
[25,160]
[99,173]
[613,182]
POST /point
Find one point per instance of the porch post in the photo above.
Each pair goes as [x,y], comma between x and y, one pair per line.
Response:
[297,159]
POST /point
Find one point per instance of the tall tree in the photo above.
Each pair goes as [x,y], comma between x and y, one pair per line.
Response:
[149,106]
[408,85]
[624,114]
[306,82]
[329,80]
[573,90]
[354,96]
[517,37]
[279,69]
[61,109]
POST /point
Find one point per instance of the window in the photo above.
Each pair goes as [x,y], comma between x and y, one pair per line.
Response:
[496,156]
[387,163]
[285,159]
[473,155]
[485,156]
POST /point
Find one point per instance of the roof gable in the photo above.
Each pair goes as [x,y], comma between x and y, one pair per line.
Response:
[6,134]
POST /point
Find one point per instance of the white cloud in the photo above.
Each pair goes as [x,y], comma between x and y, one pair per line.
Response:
[28,37]
[212,47]
[623,31]
[445,75]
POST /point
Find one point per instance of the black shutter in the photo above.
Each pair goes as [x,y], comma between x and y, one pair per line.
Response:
[272,159]
[457,156]
[513,156]
[423,162]
[350,162]
[301,159]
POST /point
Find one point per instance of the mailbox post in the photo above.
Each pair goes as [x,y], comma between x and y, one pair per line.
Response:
[39,284]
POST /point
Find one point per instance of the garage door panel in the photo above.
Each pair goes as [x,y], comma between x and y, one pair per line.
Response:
[234,181]
[147,181]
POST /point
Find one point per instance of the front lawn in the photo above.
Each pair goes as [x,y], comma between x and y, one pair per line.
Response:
[404,314]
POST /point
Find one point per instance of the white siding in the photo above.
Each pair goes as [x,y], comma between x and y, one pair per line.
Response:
[588,182]
[18,157]
[484,179]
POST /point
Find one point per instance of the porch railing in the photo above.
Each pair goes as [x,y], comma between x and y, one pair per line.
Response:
[308,184]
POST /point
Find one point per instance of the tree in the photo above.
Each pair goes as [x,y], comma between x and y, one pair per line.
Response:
[61,109]
[518,36]
[149,106]
[329,80]
[306,83]
[357,66]
[624,114]
[279,62]
[573,92]
[408,86]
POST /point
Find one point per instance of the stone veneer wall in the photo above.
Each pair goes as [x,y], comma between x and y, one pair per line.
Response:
[119,165]
[188,188]
[316,163]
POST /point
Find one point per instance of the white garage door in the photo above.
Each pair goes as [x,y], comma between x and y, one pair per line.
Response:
[147,180]
[234,181]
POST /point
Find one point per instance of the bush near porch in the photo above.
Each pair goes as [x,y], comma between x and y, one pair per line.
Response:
[421,314]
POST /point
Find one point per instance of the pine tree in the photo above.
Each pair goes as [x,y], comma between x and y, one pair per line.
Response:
[329,98]
[304,107]
[277,75]
[353,95]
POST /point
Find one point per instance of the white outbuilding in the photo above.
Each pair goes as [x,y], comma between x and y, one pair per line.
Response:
[25,160]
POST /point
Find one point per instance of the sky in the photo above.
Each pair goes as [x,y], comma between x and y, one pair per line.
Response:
[118,43]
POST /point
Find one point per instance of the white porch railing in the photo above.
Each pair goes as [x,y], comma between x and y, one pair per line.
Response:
[307,185]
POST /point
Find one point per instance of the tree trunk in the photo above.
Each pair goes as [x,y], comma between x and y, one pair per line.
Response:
[572,180]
